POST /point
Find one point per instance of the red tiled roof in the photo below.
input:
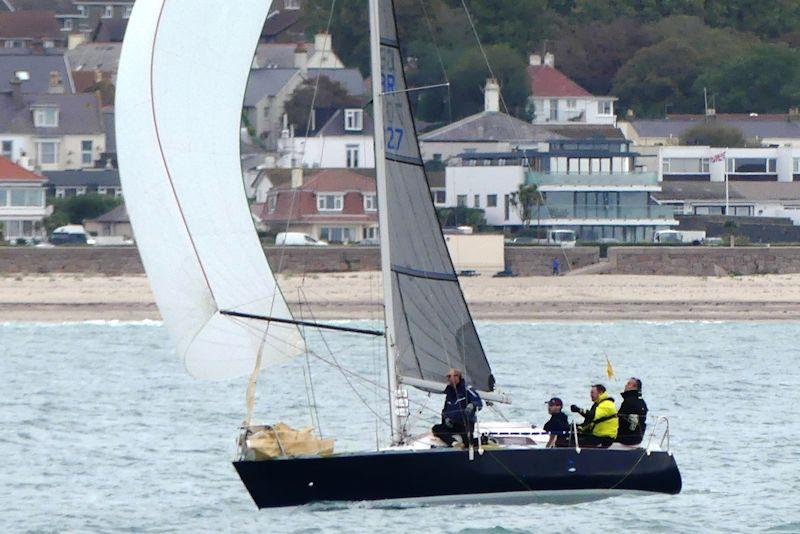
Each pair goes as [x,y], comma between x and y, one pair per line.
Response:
[29,25]
[10,171]
[548,81]
[300,205]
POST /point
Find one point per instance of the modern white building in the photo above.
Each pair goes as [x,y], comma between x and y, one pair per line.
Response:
[556,99]
[590,186]
[703,163]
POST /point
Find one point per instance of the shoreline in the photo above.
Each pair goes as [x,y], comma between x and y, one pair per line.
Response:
[349,296]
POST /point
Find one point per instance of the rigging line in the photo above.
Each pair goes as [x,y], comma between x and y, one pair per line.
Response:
[439,56]
[313,400]
[414,89]
[161,149]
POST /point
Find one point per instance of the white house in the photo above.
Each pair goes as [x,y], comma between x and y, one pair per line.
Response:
[556,99]
[491,130]
[22,202]
[344,141]
[703,163]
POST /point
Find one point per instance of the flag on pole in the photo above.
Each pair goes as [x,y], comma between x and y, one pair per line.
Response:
[609,369]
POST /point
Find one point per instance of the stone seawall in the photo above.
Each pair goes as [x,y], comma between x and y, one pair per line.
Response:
[524,261]
[538,261]
[704,261]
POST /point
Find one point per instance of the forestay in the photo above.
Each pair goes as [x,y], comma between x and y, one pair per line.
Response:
[433,328]
[181,84]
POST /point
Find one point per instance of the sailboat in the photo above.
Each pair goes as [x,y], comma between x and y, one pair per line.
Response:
[181,85]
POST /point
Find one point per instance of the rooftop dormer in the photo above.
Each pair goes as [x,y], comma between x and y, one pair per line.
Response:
[45,116]
[353,120]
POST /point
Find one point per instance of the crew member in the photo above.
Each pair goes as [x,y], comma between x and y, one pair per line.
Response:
[632,414]
[600,424]
[558,425]
[458,415]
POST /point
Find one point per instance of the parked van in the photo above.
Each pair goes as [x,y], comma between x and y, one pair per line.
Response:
[294,239]
[71,234]
[679,237]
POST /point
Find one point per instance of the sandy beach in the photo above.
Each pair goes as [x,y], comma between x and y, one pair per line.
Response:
[357,296]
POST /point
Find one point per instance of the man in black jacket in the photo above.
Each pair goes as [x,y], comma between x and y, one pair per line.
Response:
[458,415]
[632,414]
[558,425]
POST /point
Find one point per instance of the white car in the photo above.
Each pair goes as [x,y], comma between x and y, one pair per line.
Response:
[294,239]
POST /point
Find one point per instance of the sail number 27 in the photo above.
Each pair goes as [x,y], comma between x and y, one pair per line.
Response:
[393,138]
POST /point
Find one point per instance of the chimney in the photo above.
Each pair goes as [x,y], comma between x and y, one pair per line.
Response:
[491,95]
[549,60]
[98,75]
[322,42]
[297,178]
[300,56]
[55,87]
[16,89]
[75,39]
[535,60]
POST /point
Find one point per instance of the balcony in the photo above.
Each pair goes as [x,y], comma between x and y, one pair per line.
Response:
[603,180]
[615,212]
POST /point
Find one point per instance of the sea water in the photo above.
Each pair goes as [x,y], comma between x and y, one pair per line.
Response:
[101,429]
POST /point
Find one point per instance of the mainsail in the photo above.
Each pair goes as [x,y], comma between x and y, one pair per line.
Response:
[181,85]
[432,326]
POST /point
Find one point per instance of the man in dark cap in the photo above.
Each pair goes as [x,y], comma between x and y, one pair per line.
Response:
[632,414]
[558,425]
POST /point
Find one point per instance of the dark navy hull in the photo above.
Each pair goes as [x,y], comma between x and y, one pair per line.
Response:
[439,473]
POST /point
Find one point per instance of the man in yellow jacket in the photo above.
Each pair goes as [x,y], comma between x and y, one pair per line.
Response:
[600,423]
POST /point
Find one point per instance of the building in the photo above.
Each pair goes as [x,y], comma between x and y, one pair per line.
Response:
[112,224]
[90,63]
[66,184]
[335,205]
[591,186]
[281,69]
[51,131]
[557,100]
[759,129]
[488,131]
[30,29]
[284,22]
[703,163]
[344,141]
[22,202]
[34,70]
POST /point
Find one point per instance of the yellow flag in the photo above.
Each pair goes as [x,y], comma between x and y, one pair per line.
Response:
[609,369]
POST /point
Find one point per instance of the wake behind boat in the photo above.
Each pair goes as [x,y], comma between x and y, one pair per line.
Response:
[178,122]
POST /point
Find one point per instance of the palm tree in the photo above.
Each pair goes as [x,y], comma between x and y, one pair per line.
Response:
[524,199]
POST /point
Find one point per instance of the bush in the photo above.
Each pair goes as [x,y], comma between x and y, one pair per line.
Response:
[74,210]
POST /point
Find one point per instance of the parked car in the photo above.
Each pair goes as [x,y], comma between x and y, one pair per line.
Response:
[294,239]
[71,234]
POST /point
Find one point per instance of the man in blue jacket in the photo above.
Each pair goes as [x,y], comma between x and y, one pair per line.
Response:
[458,415]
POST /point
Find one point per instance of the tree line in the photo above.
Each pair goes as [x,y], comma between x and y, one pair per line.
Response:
[657,56]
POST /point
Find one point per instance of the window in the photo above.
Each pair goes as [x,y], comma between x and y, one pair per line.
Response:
[127,13]
[439,197]
[13,43]
[370,203]
[291,4]
[27,197]
[108,12]
[554,109]
[353,120]
[572,103]
[351,153]
[477,203]
[751,165]
[437,157]
[335,234]
[461,201]
[330,202]
[796,166]
[684,166]
[506,206]
[45,117]
[82,11]
[3,197]
[87,156]
[370,233]
[68,24]
[8,149]
[491,201]
[47,152]
[604,107]
[272,202]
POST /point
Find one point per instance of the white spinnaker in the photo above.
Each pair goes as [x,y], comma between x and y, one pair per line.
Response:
[181,84]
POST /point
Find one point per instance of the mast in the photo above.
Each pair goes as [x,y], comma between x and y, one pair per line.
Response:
[383,216]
